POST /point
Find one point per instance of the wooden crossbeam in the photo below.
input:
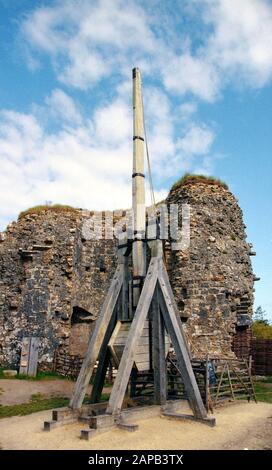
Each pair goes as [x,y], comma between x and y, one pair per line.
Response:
[181,417]
[137,325]
[97,338]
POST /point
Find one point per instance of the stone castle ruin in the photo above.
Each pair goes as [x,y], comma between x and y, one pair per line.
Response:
[53,280]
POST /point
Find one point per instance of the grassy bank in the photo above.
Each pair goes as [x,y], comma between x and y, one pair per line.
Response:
[41,375]
[263,389]
[37,403]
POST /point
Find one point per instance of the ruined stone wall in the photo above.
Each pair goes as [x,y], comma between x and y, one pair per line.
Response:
[53,281]
[213,279]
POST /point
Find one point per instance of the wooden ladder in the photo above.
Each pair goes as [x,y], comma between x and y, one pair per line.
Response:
[234,382]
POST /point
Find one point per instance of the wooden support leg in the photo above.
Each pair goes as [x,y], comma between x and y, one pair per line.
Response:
[125,309]
[133,382]
[174,328]
[100,375]
[126,363]
[96,339]
[158,346]
[103,362]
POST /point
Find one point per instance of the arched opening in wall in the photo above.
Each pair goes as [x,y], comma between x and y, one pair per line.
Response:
[82,325]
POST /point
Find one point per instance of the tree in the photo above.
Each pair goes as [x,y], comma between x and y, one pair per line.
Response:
[261,328]
[259,316]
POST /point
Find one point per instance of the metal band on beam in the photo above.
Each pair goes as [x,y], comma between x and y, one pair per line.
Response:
[139,232]
[137,281]
[123,245]
[138,174]
[138,137]
[136,286]
[139,236]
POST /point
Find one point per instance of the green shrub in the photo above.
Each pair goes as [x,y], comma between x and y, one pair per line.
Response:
[262,330]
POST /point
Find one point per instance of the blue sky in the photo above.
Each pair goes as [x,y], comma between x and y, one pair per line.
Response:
[65,103]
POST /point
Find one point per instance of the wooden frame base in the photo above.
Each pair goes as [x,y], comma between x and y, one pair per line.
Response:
[126,420]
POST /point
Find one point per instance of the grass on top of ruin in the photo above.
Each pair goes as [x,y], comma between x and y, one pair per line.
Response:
[189,178]
[46,208]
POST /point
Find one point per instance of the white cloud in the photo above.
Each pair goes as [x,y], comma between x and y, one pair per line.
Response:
[88,41]
[63,106]
[88,162]
[187,109]
[185,73]
[113,123]
[240,42]
[197,141]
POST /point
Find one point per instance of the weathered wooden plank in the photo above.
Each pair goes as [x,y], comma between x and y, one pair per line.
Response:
[122,339]
[49,425]
[87,434]
[125,292]
[174,328]
[24,356]
[127,426]
[140,412]
[105,421]
[118,340]
[96,339]
[231,387]
[142,355]
[181,417]
[33,356]
[112,341]
[220,382]
[63,413]
[158,352]
[143,341]
[163,275]
[127,360]
[248,368]
[143,366]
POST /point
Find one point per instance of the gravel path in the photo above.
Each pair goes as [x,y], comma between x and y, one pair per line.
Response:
[239,426]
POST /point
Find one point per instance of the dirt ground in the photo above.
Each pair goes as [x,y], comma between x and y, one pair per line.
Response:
[239,426]
[15,392]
